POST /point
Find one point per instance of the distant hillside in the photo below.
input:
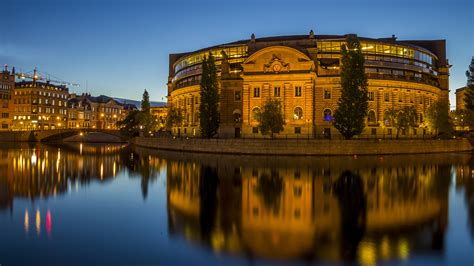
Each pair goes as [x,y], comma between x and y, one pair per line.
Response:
[138,103]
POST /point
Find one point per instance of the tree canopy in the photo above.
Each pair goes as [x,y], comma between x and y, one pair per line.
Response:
[270,119]
[438,119]
[349,117]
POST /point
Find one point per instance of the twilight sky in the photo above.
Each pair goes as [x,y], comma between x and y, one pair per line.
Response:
[120,47]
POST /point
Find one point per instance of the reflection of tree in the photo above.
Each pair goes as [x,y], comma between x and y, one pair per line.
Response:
[208,186]
[270,188]
[139,165]
[349,190]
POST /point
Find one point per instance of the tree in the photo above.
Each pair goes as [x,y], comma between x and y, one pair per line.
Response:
[174,118]
[270,119]
[401,119]
[139,121]
[130,126]
[209,107]
[469,95]
[145,102]
[438,118]
[349,117]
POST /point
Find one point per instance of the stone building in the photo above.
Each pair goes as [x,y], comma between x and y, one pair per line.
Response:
[460,95]
[7,84]
[160,113]
[303,71]
[39,105]
[88,111]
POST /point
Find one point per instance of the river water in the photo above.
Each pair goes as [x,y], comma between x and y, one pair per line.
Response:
[119,205]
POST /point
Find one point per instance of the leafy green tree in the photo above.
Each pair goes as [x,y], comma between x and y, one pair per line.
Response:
[469,96]
[270,119]
[438,119]
[401,119]
[209,107]
[349,117]
[139,121]
[174,118]
[130,126]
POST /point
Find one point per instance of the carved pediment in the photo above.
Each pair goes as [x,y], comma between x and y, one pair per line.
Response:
[276,65]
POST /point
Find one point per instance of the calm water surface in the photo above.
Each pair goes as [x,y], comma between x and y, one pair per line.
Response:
[117,205]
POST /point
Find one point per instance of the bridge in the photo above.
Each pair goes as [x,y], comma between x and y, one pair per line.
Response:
[68,134]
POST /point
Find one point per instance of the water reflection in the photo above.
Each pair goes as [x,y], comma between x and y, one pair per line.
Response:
[331,209]
[365,209]
[42,171]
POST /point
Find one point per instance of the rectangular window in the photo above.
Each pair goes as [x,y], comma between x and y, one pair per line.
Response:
[414,131]
[237,96]
[298,91]
[389,131]
[256,92]
[327,93]
[297,130]
[374,131]
[386,97]
[371,96]
[276,91]
[255,130]
[4,126]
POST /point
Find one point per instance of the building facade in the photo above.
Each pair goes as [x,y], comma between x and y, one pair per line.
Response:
[159,113]
[303,71]
[7,84]
[460,95]
[100,112]
[39,105]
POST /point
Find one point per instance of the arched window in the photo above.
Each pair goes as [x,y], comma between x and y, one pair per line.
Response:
[387,119]
[371,117]
[237,115]
[327,115]
[255,112]
[298,113]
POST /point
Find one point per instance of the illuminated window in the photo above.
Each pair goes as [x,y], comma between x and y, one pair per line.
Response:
[298,113]
[327,115]
[255,113]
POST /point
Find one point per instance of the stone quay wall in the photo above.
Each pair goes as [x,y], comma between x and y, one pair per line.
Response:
[306,147]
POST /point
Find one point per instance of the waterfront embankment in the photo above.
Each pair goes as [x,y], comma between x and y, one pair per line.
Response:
[306,147]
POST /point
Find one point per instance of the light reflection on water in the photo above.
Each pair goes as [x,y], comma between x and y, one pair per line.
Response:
[245,209]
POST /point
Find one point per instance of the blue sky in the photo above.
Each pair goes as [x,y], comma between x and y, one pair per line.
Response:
[121,47]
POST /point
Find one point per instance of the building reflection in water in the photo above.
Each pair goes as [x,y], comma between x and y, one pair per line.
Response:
[327,209]
[465,181]
[38,171]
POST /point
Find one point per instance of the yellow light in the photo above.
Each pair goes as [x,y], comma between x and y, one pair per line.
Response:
[115,116]
[367,254]
[38,222]
[81,134]
[27,221]
[77,126]
[57,117]
[403,249]
[108,127]
[59,124]
[102,115]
